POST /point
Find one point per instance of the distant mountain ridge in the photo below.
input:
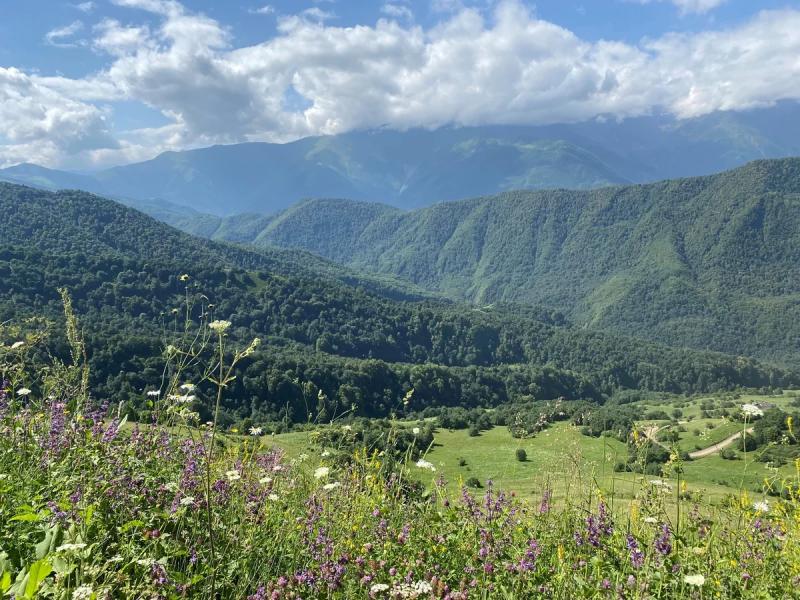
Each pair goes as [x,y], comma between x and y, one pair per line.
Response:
[417,168]
[708,262]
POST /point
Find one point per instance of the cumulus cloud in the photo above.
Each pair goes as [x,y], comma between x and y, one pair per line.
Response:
[506,66]
[397,11]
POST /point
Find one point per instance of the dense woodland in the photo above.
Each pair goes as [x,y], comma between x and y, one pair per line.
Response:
[364,343]
[709,262]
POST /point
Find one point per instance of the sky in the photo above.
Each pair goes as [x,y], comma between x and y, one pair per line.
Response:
[90,84]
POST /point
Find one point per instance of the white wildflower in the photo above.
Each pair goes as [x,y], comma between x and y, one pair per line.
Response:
[233,475]
[651,520]
[752,410]
[187,501]
[325,454]
[349,428]
[331,486]
[696,580]
[16,345]
[761,506]
[273,496]
[377,588]
[23,391]
[302,457]
[321,472]
[154,393]
[146,562]
[83,592]
[415,431]
[424,464]
[219,326]
[265,480]
[256,431]
[188,387]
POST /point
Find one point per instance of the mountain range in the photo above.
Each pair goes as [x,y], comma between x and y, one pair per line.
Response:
[417,168]
[707,262]
[333,341]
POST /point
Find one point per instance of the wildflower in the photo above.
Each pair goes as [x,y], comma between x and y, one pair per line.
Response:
[265,480]
[256,431]
[424,464]
[651,520]
[16,345]
[378,588]
[273,496]
[187,501]
[415,431]
[325,454]
[219,326]
[331,486]
[154,393]
[663,543]
[696,580]
[184,277]
[762,506]
[83,592]
[321,472]
[188,387]
[752,410]
[23,391]
[233,475]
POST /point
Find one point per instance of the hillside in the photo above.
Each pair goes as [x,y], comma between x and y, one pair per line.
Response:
[710,262]
[357,342]
[417,168]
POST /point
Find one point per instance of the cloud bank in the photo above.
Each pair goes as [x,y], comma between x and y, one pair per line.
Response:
[507,66]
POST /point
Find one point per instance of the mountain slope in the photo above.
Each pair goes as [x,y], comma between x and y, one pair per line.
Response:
[711,262]
[361,347]
[417,168]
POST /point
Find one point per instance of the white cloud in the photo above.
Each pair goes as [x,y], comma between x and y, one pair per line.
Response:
[267,9]
[397,11]
[508,67]
[690,6]
[60,36]
[86,7]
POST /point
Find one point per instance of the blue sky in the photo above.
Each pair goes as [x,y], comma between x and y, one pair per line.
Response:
[89,83]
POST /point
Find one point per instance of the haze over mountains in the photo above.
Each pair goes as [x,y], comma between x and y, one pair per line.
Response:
[418,168]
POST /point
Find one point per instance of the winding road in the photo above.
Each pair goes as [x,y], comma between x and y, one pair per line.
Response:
[651,434]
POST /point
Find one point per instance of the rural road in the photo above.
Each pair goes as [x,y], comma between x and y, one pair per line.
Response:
[650,433]
[718,446]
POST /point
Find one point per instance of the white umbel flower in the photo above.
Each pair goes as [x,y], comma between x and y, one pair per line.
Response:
[233,475]
[424,464]
[331,486]
[695,580]
[83,592]
[219,326]
[321,472]
[752,410]
[23,391]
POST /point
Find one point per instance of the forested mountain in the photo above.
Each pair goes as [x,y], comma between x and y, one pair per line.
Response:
[417,168]
[323,328]
[710,262]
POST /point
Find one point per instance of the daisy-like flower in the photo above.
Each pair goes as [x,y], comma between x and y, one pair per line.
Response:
[761,506]
[256,431]
[752,410]
[321,472]
[219,326]
[424,464]
[154,393]
[695,580]
[23,391]
[233,475]
[415,431]
[331,486]
[16,345]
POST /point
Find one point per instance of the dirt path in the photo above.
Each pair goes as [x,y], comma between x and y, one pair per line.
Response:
[718,446]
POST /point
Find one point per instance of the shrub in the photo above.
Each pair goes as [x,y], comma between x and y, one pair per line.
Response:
[522,456]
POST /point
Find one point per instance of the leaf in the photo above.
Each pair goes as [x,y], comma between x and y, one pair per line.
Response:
[43,547]
[5,582]
[25,517]
[37,574]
